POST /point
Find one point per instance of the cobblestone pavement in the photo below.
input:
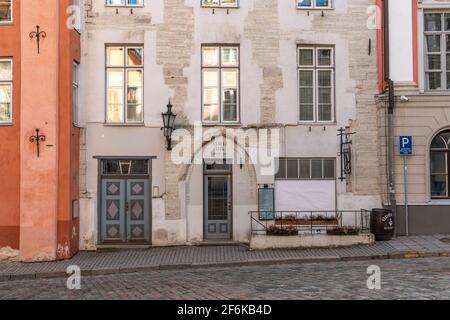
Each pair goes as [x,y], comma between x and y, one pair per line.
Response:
[93,263]
[422,278]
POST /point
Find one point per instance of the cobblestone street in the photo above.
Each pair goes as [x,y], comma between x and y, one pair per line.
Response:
[422,278]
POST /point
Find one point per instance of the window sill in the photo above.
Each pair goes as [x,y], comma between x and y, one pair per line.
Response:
[106,124]
[317,124]
[439,202]
[221,124]
[6,124]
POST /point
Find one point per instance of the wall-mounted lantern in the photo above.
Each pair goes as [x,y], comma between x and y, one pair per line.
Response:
[345,152]
[169,125]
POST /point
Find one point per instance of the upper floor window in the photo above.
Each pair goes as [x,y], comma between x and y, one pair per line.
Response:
[220,3]
[437,51]
[5,11]
[314,4]
[6,90]
[125,3]
[220,73]
[124,84]
[316,83]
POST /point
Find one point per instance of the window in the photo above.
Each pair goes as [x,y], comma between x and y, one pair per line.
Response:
[75,96]
[316,84]
[125,3]
[124,82]
[314,4]
[220,3]
[220,89]
[125,167]
[437,51]
[6,90]
[306,169]
[440,152]
[5,11]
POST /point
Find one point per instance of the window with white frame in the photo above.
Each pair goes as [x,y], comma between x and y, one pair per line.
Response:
[6,90]
[125,3]
[220,3]
[220,79]
[306,169]
[124,84]
[437,50]
[6,7]
[316,83]
[75,95]
[314,4]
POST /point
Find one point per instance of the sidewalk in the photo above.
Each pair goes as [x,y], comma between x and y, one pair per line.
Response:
[92,263]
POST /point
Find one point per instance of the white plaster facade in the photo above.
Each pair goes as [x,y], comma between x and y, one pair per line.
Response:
[268,33]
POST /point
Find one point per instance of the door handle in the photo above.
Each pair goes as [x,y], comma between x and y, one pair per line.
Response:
[127,206]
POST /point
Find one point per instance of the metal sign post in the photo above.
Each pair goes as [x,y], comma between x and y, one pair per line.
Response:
[406,150]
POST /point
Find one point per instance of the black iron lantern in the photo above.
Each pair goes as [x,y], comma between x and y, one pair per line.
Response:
[169,125]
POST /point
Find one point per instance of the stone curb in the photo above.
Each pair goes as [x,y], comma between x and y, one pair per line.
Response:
[250,262]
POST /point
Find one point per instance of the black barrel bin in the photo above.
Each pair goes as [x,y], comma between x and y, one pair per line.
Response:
[382,224]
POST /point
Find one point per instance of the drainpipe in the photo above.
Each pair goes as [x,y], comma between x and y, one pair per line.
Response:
[390,116]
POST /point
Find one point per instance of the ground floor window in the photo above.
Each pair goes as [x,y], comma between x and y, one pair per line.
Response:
[439,159]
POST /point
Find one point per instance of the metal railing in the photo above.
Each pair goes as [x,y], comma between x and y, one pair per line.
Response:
[310,222]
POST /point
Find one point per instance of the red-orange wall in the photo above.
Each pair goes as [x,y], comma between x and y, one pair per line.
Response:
[10,140]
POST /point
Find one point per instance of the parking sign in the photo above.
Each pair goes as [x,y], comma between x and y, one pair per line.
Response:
[406,145]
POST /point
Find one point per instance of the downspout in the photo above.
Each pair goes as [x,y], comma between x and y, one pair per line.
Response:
[390,116]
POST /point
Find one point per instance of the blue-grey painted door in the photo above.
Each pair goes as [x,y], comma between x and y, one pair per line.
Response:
[125,211]
[113,211]
[218,207]
[138,211]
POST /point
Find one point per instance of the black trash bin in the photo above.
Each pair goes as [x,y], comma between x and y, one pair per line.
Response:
[382,224]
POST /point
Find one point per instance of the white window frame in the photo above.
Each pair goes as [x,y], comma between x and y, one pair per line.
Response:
[11,83]
[310,160]
[443,54]
[7,22]
[75,93]
[316,68]
[125,68]
[314,5]
[124,4]
[221,68]
[219,5]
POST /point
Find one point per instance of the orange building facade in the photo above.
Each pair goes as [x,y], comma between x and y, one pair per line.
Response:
[39,193]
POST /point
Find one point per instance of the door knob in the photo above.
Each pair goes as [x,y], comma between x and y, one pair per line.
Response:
[127,206]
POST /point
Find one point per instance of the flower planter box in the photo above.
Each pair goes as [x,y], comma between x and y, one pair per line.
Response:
[303,222]
[343,232]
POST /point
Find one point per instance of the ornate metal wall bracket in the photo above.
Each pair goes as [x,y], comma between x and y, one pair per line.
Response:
[346,152]
[38,35]
[38,138]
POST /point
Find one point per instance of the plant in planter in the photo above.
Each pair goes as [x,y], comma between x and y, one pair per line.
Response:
[343,231]
[282,231]
[302,221]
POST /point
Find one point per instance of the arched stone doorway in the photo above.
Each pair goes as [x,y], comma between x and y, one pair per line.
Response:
[440,166]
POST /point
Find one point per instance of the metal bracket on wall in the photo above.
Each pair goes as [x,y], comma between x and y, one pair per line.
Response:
[38,138]
[38,35]
[345,152]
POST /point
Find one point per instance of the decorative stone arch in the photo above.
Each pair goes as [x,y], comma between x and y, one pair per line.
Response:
[438,144]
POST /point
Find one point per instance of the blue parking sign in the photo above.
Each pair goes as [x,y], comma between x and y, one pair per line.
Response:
[406,145]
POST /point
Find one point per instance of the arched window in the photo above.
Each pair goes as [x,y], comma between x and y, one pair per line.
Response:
[440,162]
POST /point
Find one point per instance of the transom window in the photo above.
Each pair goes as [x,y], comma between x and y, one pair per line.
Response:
[306,169]
[316,83]
[125,167]
[6,11]
[440,151]
[220,89]
[125,3]
[437,51]
[6,90]
[220,3]
[314,4]
[125,81]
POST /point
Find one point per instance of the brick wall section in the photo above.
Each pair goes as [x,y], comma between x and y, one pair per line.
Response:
[263,29]
[175,46]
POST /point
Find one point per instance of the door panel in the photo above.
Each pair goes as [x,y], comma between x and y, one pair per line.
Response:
[218,207]
[138,212]
[113,213]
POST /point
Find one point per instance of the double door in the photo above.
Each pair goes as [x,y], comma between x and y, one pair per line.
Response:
[125,211]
